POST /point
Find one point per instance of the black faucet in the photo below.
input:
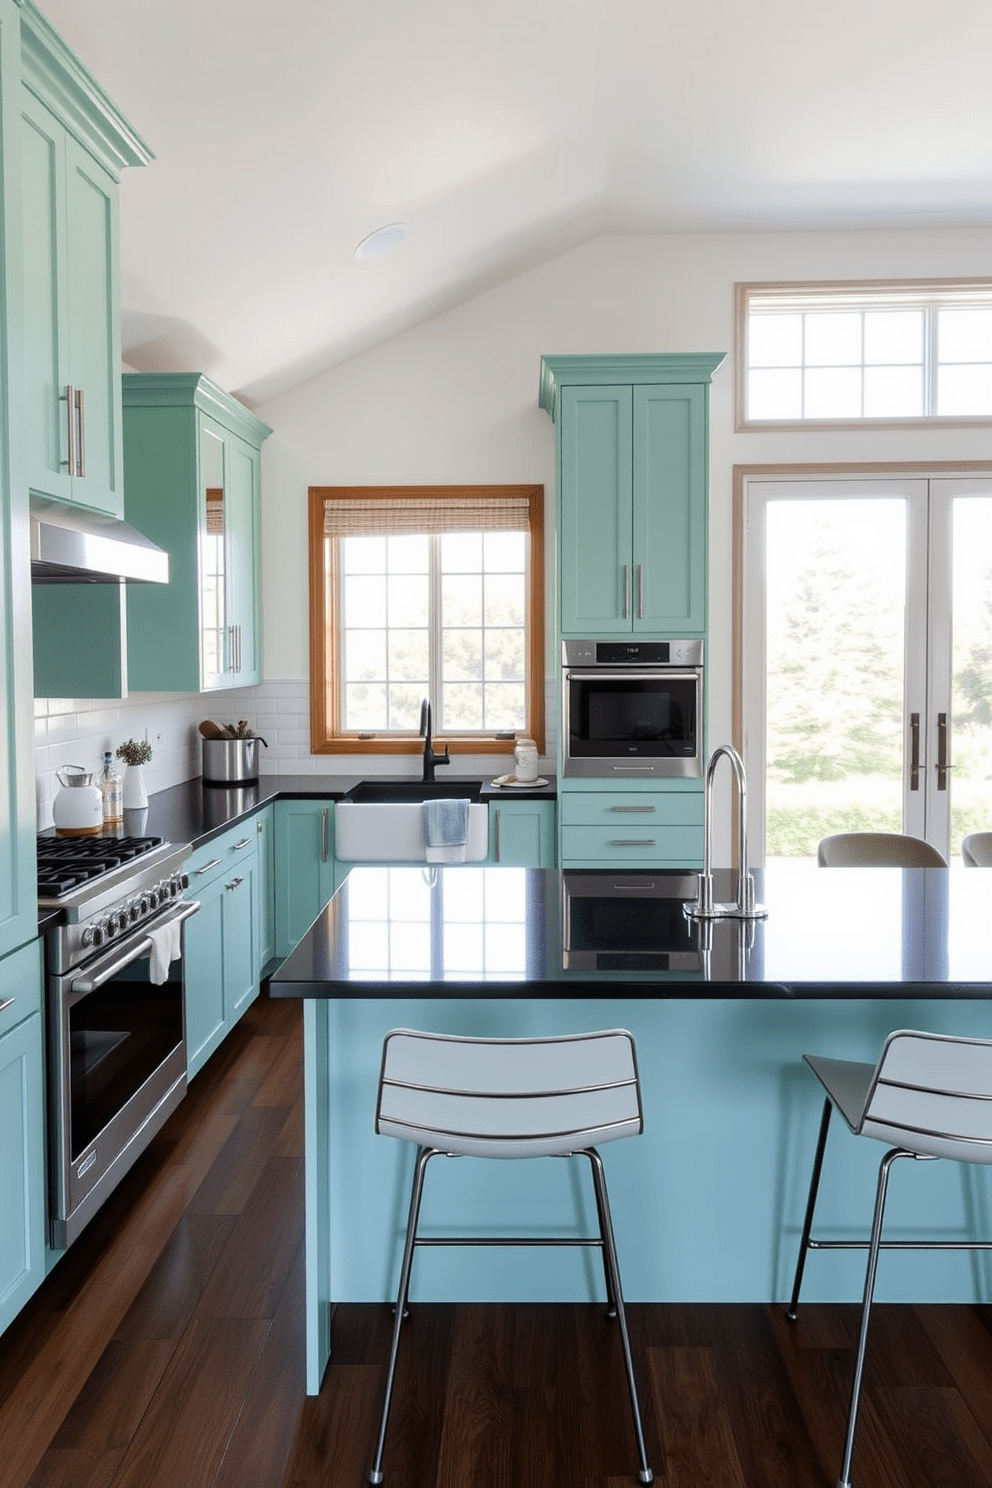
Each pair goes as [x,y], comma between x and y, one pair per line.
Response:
[426,729]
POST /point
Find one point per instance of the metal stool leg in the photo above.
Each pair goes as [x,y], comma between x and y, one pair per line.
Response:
[844,1481]
[645,1475]
[611,1305]
[814,1184]
[424,1155]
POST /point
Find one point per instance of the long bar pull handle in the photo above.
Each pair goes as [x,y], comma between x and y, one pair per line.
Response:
[626,592]
[633,842]
[207,866]
[238,846]
[81,444]
[630,809]
[943,763]
[323,836]
[70,405]
[640,591]
[914,751]
[7,1002]
[499,822]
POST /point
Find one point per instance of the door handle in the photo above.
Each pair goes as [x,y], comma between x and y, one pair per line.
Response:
[323,836]
[81,444]
[70,408]
[914,751]
[626,592]
[943,763]
[640,591]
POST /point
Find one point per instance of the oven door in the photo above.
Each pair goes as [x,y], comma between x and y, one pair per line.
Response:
[117,1069]
[629,922]
[637,724]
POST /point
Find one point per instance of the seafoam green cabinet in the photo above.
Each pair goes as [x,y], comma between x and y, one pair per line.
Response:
[18,826]
[305,866]
[222,940]
[522,833]
[73,146]
[632,437]
[22,1130]
[192,461]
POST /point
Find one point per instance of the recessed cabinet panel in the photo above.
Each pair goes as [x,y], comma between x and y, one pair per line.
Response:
[192,457]
[595,523]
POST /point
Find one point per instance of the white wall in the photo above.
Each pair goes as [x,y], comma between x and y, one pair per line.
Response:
[456,398]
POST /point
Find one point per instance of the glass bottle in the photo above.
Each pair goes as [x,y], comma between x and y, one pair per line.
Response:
[112,789]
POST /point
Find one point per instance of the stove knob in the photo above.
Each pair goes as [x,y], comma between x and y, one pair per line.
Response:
[143,905]
[110,926]
[154,899]
[183,881]
[133,911]
[93,936]
[175,887]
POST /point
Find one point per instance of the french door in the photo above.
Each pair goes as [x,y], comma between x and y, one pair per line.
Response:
[867,659]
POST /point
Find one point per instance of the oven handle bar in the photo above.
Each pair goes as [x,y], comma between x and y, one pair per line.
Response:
[619,673]
[106,973]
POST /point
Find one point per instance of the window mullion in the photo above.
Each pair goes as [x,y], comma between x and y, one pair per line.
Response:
[435,637]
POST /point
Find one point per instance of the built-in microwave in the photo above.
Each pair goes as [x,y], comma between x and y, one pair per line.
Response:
[632,710]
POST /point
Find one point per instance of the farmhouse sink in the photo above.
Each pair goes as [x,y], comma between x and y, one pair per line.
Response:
[376,791]
[392,831]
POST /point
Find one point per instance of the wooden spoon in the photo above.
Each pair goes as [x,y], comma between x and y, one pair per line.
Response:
[211,730]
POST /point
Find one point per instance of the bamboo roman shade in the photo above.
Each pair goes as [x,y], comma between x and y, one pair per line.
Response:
[371,514]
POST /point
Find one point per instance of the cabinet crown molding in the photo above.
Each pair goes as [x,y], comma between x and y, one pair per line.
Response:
[182,389]
[600,371]
[60,81]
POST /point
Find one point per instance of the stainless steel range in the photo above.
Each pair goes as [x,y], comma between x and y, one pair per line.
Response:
[115,1010]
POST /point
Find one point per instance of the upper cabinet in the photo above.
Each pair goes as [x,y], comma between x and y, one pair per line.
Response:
[192,461]
[632,443]
[73,146]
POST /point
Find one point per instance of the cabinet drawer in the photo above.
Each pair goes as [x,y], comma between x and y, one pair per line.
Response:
[221,854]
[637,844]
[20,986]
[631,814]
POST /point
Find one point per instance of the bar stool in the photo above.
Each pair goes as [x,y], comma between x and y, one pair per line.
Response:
[509,1098]
[930,1095]
[877,850]
[976,850]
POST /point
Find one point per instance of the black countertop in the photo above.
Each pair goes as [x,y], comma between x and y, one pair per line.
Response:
[508,932]
[194,812]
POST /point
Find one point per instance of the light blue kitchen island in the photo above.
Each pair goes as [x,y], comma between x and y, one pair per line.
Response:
[708,1202]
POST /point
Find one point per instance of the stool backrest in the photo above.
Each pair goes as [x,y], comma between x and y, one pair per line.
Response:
[509,1097]
[932,1094]
[877,850]
[976,850]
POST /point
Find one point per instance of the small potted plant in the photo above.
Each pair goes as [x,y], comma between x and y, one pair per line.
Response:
[134,753]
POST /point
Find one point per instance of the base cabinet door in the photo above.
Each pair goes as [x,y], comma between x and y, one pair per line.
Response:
[22,1131]
[222,968]
[522,833]
[265,888]
[204,974]
[304,867]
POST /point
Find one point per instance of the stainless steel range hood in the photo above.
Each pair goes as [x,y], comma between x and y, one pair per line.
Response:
[69,546]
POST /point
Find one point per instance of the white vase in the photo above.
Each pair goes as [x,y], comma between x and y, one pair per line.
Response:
[135,795]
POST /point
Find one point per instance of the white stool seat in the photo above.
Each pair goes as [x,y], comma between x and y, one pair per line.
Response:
[510,1098]
[877,850]
[976,850]
[929,1096]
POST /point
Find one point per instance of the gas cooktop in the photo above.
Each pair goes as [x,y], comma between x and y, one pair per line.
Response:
[69,864]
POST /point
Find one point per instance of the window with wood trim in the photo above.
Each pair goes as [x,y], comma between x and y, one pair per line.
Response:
[903,352]
[426,592]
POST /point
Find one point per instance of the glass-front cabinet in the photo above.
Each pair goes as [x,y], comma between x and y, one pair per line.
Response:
[192,457]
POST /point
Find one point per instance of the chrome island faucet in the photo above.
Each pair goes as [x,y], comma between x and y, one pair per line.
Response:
[745,908]
[426,731]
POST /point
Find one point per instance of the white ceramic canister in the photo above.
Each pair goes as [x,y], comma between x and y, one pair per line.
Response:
[77,809]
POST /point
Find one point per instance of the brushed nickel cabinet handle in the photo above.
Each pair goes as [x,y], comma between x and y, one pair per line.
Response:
[499,819]
[81,444]
[323,835]
[237,846]
[633,842]
[640,591]
[70,408]
[634,808]
[207,866]
[7,1002]
[943,763]
[626,592]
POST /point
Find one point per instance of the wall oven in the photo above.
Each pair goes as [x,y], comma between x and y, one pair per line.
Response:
[115,1005]
[629,922]
[632,710]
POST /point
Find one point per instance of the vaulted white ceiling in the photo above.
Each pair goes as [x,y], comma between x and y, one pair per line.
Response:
[503,132]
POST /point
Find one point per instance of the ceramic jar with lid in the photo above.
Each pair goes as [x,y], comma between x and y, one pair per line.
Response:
[525,760]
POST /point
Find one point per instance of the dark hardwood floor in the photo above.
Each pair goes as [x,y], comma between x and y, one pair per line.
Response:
[166,1351]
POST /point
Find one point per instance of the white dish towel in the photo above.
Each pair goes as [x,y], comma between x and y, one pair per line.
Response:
[445,830]
[166,948]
